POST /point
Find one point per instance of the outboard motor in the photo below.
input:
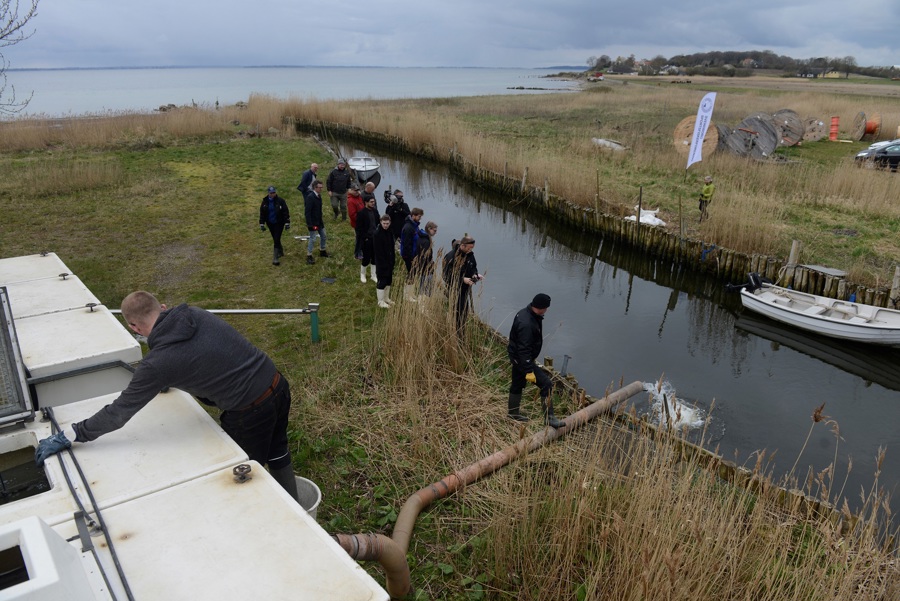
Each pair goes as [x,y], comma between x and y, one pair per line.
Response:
[754,282]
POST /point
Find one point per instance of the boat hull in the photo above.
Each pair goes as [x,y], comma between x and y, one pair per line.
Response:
[364,167]
[826,316]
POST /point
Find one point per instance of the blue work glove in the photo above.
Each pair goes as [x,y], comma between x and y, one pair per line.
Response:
[50,446]
[287,225]
[262,228]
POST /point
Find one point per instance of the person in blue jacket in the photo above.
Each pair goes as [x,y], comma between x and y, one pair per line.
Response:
[274,213]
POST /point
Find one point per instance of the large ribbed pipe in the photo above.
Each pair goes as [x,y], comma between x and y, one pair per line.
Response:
[380,548]
[426,496]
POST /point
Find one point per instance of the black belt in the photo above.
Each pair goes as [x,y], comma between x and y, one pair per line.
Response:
[265,395]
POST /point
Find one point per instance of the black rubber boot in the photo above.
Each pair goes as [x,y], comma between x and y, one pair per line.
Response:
[280,252]
[549,417]
[275,257]
[310,260]
[323,253]
[512,411]
[285,477]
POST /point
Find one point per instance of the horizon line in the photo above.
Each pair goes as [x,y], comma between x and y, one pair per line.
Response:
[114,68]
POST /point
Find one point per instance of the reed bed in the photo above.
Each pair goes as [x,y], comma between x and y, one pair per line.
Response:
[608,512]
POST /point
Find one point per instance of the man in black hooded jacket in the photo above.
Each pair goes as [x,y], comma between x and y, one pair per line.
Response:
[525,341]
[195,351]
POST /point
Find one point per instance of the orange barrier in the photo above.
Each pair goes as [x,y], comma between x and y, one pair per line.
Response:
[832,135]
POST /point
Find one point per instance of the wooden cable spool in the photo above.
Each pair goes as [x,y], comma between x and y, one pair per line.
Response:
[792,128]
[756,136]
[816,129]
[684,132]
[863,126]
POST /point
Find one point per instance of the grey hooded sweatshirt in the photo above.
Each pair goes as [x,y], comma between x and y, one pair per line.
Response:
[195,351]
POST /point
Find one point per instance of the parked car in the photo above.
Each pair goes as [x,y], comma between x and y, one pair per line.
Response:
[865,156]
[887,157]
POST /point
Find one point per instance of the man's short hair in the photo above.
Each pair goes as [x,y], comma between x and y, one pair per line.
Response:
[370,184]
[138,305]
[386,217]
[417,211]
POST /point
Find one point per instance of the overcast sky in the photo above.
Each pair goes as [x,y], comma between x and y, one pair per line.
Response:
[460,33]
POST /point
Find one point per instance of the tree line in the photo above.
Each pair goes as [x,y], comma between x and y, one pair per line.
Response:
[734,63]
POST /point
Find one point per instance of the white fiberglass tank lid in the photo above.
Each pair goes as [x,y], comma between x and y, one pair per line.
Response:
[49,295]
[67,340]
[218,540]
[31,267]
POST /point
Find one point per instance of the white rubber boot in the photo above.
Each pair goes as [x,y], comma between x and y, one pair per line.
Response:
[387,296]
[362,274]
[372,272]
[380,295]
[408,292]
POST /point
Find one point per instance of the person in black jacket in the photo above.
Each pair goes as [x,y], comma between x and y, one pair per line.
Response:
[398,211]
[525,341]
[460,274]
[337,184]
[385,259]
[273,212]
[366,224]
[314,221]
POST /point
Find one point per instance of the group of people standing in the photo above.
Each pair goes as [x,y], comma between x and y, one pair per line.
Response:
[379,237]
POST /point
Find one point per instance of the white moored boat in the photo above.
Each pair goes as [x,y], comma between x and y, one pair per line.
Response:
[827,316]
[365,167]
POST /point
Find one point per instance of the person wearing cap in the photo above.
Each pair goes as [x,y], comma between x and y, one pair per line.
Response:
[706,195]
[200,353]
[307,179]
[526,337]
[337,184]
[460,274]
[274,213]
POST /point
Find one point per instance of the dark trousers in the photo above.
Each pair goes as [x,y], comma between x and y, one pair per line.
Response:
[261,431]
[518,381]
[461,306]
[276,229]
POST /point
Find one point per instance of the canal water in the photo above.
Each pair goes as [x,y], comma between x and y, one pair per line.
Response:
[749,384]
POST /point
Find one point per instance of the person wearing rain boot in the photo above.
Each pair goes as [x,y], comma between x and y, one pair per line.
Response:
[525,341]
[366,226]
[274,213]
[385,257]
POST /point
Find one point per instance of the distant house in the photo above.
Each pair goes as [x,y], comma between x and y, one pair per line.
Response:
[832,74]
[749,63]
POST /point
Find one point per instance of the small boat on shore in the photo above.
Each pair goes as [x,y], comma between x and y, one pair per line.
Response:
[826,316]
[366,168]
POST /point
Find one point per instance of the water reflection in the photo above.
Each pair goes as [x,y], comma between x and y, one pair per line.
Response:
[620,316]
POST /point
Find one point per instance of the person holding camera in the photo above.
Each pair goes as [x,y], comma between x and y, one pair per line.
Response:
[526,337]
[398,211]
[460,274]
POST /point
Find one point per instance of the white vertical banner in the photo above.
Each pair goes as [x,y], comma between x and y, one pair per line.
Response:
[704,116]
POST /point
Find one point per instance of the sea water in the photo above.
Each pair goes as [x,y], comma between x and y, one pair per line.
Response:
[69,92]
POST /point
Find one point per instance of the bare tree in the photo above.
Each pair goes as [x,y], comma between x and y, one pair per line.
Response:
[12,31]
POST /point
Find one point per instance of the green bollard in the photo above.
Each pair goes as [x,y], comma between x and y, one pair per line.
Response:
[314,320]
